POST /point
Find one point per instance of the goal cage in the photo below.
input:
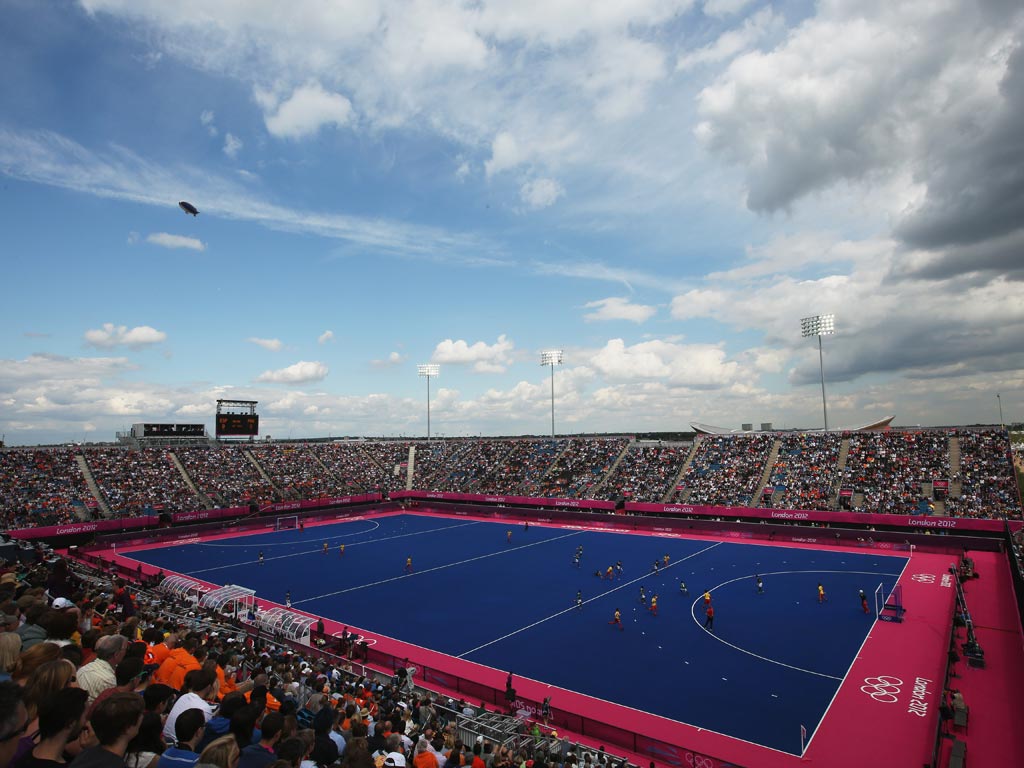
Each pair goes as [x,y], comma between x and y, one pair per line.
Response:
[286,523]
[889,607]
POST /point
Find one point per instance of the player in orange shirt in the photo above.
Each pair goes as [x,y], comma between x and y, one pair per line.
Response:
[654,604]
[408,565]
[617,619]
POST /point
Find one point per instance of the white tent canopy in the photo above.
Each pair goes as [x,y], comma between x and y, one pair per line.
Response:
[229,599]
[285,623]
[182,587]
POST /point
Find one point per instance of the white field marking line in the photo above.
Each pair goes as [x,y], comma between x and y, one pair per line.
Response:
[376,525]
[431,570]
[867,637]
[573,607]
[751,653]
[319,549]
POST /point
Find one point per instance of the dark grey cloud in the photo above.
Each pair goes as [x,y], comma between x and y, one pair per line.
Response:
[974,172]
[974,263]
[915,346]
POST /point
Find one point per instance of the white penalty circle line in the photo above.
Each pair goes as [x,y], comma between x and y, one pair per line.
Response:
[756,655]
[595,597]
[376,525]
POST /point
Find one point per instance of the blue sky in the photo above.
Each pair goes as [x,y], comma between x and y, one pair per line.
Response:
[662,188]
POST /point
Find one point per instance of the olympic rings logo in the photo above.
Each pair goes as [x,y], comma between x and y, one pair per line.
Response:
[883,688]
[924,578]
[699,761]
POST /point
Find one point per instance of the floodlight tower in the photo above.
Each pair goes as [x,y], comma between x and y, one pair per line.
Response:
[819,325]
[552,357]
[999,399]
[428,371]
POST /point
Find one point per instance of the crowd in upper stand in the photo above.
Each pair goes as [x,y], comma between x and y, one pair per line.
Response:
[904,472]
[98,673]
[645,473]
[803,476]
[149,480]
[725,470]
[39,487]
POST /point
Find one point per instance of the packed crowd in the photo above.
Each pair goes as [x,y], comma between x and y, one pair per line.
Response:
[580,467]
[725,470]
[890,469]
[95,673]
[40,487]
[885,472]
[225,475]
[804,474]
[985,484]
[645,473]
[135,482]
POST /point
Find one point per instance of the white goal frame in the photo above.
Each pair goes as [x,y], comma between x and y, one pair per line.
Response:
[292,519]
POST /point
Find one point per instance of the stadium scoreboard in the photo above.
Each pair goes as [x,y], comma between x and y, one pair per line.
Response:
[168,430]
[237,424]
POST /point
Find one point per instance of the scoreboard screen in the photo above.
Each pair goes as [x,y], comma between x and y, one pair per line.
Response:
[237,425]
[173,430]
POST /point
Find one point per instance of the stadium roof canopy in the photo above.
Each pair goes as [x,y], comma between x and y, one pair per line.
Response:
[708,429]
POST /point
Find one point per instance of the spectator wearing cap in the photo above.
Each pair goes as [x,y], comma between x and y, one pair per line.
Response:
[394,760]
[61,718]
[200,685]
[115,723]
[98,675]
[188,732]
[261,754]
[9,622]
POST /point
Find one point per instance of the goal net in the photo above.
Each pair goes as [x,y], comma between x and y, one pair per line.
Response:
[889,607]
[284,523]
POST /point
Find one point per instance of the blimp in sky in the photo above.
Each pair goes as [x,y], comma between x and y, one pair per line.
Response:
[187,207]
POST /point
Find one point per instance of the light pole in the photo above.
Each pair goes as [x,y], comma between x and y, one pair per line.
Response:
[428,371]
[552,357]
[1000,399]
[819,325]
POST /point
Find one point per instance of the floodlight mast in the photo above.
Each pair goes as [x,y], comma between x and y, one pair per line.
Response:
[428,371]
[552,357]
[819,325]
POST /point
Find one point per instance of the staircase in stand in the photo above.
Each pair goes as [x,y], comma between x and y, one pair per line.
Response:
[955,486]
[410,468]
[592,492]
[682,473]
[91,482]
[202,498]
[767,474]
[263,473]
[844,452]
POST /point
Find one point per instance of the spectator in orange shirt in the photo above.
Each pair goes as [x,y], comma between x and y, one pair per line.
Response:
[178,662]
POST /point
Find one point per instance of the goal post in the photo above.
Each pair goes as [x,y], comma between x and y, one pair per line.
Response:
[889,607]
[287,522]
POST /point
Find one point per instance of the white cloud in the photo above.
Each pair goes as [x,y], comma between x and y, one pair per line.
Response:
[505,154]
[540,193]
[733,41]
[306,111]
[390,361]
[722,8]
[206,118]
[272,345]
[485,358]
[325,337]
[111,335]
[697,366]
[166,240]
[232,145]
[301,372]
[618,308]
